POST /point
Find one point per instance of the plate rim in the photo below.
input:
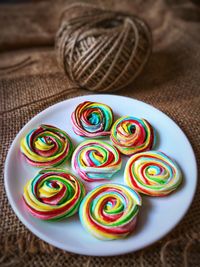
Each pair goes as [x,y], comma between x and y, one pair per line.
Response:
[45,238]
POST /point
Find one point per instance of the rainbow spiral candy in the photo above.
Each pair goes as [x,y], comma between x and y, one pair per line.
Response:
[92,119]
[132,135]
[109,211]
[46,146]
[95,160]
[152,173]
[53,194]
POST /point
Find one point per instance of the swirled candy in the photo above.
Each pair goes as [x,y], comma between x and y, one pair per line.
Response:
[95,160]
[46,146]
[110,211]
[132,135]
[53,194]
[152,173]
[92,119]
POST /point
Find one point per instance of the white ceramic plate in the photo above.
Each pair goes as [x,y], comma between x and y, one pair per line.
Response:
[157,215]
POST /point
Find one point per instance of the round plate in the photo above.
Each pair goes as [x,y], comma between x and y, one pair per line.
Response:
[157,216]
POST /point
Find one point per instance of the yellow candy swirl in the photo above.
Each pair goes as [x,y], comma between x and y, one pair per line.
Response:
[152,173]
[96,160]
[46,146]
[109,211]
[53,194]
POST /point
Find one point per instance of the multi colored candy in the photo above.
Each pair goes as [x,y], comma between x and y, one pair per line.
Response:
[95,160]
[92,119]
[46,146]
[152,173]
[109,211]
[53,194]
[132,135]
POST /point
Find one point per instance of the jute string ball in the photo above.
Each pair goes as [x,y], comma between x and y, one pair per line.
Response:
[102,50]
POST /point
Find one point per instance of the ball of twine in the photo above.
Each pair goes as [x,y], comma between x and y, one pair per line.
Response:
[101,50]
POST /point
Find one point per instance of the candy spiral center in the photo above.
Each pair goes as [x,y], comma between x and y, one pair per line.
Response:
[94,117]
[97,156]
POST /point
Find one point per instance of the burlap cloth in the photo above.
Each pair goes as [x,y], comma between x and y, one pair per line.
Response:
[31,81]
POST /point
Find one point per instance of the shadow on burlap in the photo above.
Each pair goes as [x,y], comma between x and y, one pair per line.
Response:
[30,81]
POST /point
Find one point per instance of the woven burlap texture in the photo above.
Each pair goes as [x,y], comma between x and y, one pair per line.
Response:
[31,81]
